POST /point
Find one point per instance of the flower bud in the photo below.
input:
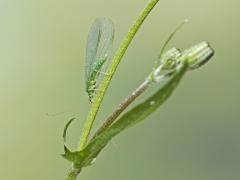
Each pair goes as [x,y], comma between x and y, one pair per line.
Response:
[198,55]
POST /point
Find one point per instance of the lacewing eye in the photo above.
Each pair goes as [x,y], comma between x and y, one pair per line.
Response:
[99,46]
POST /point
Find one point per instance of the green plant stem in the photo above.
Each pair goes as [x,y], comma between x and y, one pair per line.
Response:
[110,71]
[72,175]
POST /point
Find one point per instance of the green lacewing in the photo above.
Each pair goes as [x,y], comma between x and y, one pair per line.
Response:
[99,46]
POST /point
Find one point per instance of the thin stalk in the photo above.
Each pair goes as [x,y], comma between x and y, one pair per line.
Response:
[110,71]
[72,175]
[122,106]
[154,77]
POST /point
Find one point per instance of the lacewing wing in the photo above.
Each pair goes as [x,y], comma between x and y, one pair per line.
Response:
[99,46]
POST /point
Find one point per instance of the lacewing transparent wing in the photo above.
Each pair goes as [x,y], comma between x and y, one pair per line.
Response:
[99,46]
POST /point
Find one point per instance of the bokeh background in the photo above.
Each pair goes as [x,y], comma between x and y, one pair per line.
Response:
[195,135]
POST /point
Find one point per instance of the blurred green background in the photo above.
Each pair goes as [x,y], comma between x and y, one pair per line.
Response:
[195,135]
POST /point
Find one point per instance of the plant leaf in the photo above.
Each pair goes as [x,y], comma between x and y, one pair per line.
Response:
[132,117]
[66,128]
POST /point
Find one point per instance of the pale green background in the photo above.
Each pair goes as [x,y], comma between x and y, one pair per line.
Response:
[194,136]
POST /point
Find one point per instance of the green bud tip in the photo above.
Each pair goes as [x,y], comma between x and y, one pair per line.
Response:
[198,55]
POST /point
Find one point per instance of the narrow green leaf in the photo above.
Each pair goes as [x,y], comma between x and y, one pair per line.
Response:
[132,117]
[66,128]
